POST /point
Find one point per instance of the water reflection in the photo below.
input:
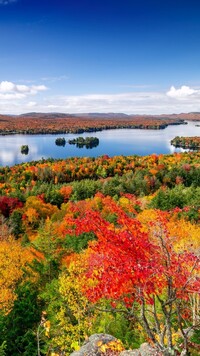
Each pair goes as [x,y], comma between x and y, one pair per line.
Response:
[111,142]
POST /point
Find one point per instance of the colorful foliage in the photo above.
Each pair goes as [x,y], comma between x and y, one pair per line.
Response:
[107,244]
[148,265]
[62,123]
[186,142]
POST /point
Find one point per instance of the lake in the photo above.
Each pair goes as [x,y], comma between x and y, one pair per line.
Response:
[111,142]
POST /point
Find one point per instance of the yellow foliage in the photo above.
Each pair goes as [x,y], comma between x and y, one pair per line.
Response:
[13,258]
[43,210]
[115,345]
[47,326]
[74,320]
[147,215]
[32,215]
[75,346]
[186,236]
[124,202]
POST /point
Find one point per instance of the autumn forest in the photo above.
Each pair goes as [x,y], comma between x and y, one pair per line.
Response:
[106,244]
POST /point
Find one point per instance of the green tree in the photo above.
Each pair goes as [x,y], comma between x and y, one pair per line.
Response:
[19,327]
[15,222]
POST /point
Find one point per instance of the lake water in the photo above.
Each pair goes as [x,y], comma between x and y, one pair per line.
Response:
[111,142]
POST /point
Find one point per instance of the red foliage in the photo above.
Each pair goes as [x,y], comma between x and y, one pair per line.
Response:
[8,204]
[131,264]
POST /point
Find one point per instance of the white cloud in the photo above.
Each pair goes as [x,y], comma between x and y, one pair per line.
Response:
[31,104]
[175,100]
[11,96]
[182,92]
[39,87]
[9,90]
[6,87]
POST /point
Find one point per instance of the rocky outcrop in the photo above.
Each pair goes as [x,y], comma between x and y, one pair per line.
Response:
[93,346]
[105,344]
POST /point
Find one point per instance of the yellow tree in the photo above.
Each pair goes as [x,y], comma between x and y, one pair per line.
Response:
[13,259]
[69,316]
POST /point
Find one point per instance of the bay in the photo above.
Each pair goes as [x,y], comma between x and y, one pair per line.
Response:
[111,142]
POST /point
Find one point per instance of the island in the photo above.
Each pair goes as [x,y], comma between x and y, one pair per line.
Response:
[60,141]
[89,142]
[186,142]
[24,149]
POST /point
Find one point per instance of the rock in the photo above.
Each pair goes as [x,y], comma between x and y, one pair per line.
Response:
[130,353]
[147,350]
[92,346]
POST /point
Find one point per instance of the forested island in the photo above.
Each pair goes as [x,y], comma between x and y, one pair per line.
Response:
[60,141]
[100,244]
[24,149]
[186,142]
[88,142]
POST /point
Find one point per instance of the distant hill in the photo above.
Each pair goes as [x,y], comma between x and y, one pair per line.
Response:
[117,116]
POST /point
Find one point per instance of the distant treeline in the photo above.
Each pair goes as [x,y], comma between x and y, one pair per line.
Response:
[59,124]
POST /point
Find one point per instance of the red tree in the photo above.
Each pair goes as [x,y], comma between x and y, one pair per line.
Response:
[138,267]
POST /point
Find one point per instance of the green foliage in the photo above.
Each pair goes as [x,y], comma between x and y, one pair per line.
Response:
[54,197]
[15,222]
[3,348]
[118,325]
[20,323]
[180,196]
[112,187]
[78,243]
[84,189]
[196,336]
[47,243]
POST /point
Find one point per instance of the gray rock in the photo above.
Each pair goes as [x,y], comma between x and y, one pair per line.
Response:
[130,353]
[144,350]
[147,350]
[91,348]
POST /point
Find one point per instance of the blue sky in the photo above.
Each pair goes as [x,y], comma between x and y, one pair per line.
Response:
[132,56]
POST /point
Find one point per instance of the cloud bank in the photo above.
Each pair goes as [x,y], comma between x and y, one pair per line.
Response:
[174,100]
